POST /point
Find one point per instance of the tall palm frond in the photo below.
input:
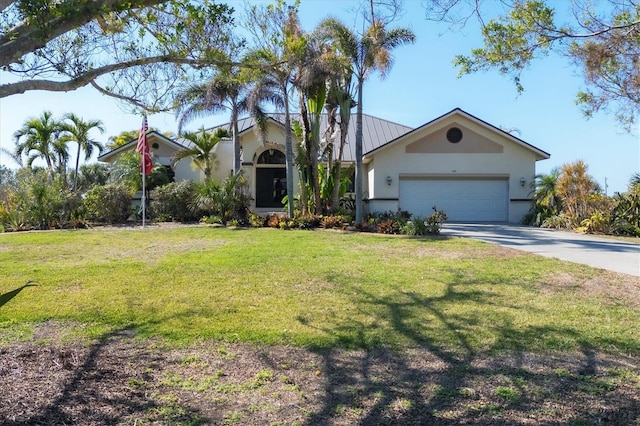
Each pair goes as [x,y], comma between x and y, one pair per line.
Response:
[227,91]
[545,192]
[78,131]
[368,53]
[634,183]
[35,138]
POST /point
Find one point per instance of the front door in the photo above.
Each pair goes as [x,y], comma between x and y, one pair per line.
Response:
[271,187]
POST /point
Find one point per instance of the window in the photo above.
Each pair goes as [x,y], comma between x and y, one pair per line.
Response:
[272,156]
[454,135]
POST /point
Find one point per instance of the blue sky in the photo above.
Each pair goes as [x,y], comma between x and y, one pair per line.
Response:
[422,85]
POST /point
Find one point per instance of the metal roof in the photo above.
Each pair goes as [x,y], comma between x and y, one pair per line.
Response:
[375,131]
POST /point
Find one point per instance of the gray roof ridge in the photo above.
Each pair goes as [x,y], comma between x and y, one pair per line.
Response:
[276,115]
[387,121]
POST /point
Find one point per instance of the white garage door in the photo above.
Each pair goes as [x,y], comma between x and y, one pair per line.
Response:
[478,200]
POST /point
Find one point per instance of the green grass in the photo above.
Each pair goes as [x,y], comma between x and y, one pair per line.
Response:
[313,288]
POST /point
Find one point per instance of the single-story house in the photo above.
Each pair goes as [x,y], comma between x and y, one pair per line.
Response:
[457,162]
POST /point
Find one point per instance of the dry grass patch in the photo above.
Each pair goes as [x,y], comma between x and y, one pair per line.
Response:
[610,287]
[257,327]
[120,379]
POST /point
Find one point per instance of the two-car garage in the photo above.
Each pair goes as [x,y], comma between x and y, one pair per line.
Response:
[480,199]
[473,171]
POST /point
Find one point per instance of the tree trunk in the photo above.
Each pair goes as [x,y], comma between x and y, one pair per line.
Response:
[312,158]
[288,144]
[358,182]
[306,174]
[75,176]
[337,173]
[237,165]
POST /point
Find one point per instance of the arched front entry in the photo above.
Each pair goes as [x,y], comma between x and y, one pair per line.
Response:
[271,179]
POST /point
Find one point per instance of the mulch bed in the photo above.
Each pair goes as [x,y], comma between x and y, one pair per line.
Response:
[124,380]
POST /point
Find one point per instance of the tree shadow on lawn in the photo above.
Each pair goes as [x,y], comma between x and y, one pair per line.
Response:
[6,297]
[437,383]
[82,389]
[98,384]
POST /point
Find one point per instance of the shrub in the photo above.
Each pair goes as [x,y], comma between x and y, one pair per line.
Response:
[308,221]
[229,200]
[417,226]
[212,220]
[597,223]
[625,216]
[286,223]
[35,199]
[273,221]
[257,221]
[331,222]
[348,205]
[163,217]
[557,222]
[537,215]
[401,217]
[435,221]
[367,226]
[174,201]
[389,226]
[110,203]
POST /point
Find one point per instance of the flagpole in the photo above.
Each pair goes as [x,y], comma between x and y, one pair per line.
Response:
[145,164]
[144,198]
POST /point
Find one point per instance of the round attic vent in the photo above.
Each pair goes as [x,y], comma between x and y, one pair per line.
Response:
[454,135]
[155,145]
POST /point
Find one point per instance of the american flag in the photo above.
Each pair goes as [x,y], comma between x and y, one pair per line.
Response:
[143,148]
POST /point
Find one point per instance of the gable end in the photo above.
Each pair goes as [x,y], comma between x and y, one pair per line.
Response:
[454,139]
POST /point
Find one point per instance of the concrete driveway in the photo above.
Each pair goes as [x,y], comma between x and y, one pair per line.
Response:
[598,252]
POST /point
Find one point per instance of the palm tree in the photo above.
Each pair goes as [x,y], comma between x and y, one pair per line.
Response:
[634,183]
[201,151]
[278,41]
[37,139]
[546,194]
[338,105]
[92,174]
[546,202]
[226,91]
[78,132]
[60,149]
[368,53]
[122,138]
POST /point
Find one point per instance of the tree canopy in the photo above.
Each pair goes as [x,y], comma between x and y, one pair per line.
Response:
[601,39]
[136,50]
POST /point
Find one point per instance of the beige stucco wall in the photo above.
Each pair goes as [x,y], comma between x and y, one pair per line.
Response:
[185,169]
[450,160]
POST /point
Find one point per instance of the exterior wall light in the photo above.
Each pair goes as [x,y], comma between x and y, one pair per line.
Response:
[522,181]
[389,180]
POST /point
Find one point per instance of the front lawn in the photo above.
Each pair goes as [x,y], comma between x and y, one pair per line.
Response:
[201,325]
[316,289]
